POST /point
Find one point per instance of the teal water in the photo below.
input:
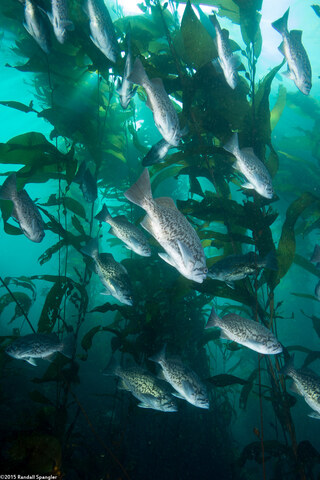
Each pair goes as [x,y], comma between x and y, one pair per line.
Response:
[67,418]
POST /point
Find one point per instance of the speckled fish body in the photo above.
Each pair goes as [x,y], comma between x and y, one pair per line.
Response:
[237,267]
[112,274]
[184,380]
[39,345]
[125,87]
[251,167]
[246,332]
[59,19]
[151,392]
[306,384]
[102,30]
[24,210]
[164,114]
[171,229]
[299,68]
[131,235]
[228,61]
[35,25]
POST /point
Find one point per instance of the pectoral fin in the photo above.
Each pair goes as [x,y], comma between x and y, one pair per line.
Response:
[167,259]
[31,361]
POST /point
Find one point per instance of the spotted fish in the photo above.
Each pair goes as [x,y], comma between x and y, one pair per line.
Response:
[125,88]
[40,345]
[35,25]
[112,274]
[171,229]
[164,114]
[102,30]
[24,210]
[227,60]
[184,380]
[237,267]
[87,183]
[246,332]
[251,167]
[152,392]
[126,231]
[307,384]
[59,19]
[299,68]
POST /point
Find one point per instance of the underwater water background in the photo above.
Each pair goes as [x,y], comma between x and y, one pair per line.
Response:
[67,418]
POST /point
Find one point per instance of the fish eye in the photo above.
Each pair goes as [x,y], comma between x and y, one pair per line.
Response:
[205,270]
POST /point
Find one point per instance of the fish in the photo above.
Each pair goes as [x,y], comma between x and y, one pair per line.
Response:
[171,229]
[131,235]
[157,153]
[306,383]
[112,274]
[251,167]
[59,19]
[87,183]
[40,345]
[102,30]
[246,332]
[185,381]
[164,113]
[227,60]
[125,87]
[24,210]
[299,68]
[152,392]
[35,25]
[237,267]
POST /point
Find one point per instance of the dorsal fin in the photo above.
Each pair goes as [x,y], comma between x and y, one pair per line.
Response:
[166,202]
[225,33]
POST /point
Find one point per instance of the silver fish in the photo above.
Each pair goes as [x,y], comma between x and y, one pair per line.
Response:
[316,254]
[35,25]
[152,392]
[24,210]
[246,332]
[126,231]
[227,60]
[102,30]
[59,19]
[299,68]
[307,384]
[171,229]
[251,167]
[157,153]
[87,183]
[184,380]
[164,114]
[237,267]
[40,345]
[125,88]
[112,274]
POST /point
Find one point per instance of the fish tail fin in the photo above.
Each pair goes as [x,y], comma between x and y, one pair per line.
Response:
[213,319]
[270,261]
[232,144]
[160,356]
[141,190]
[316,254]
[288,367]
[91,248]
[103,215]
[113,367]
[68,344]
[281,25]
[138,74]
[9,188]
